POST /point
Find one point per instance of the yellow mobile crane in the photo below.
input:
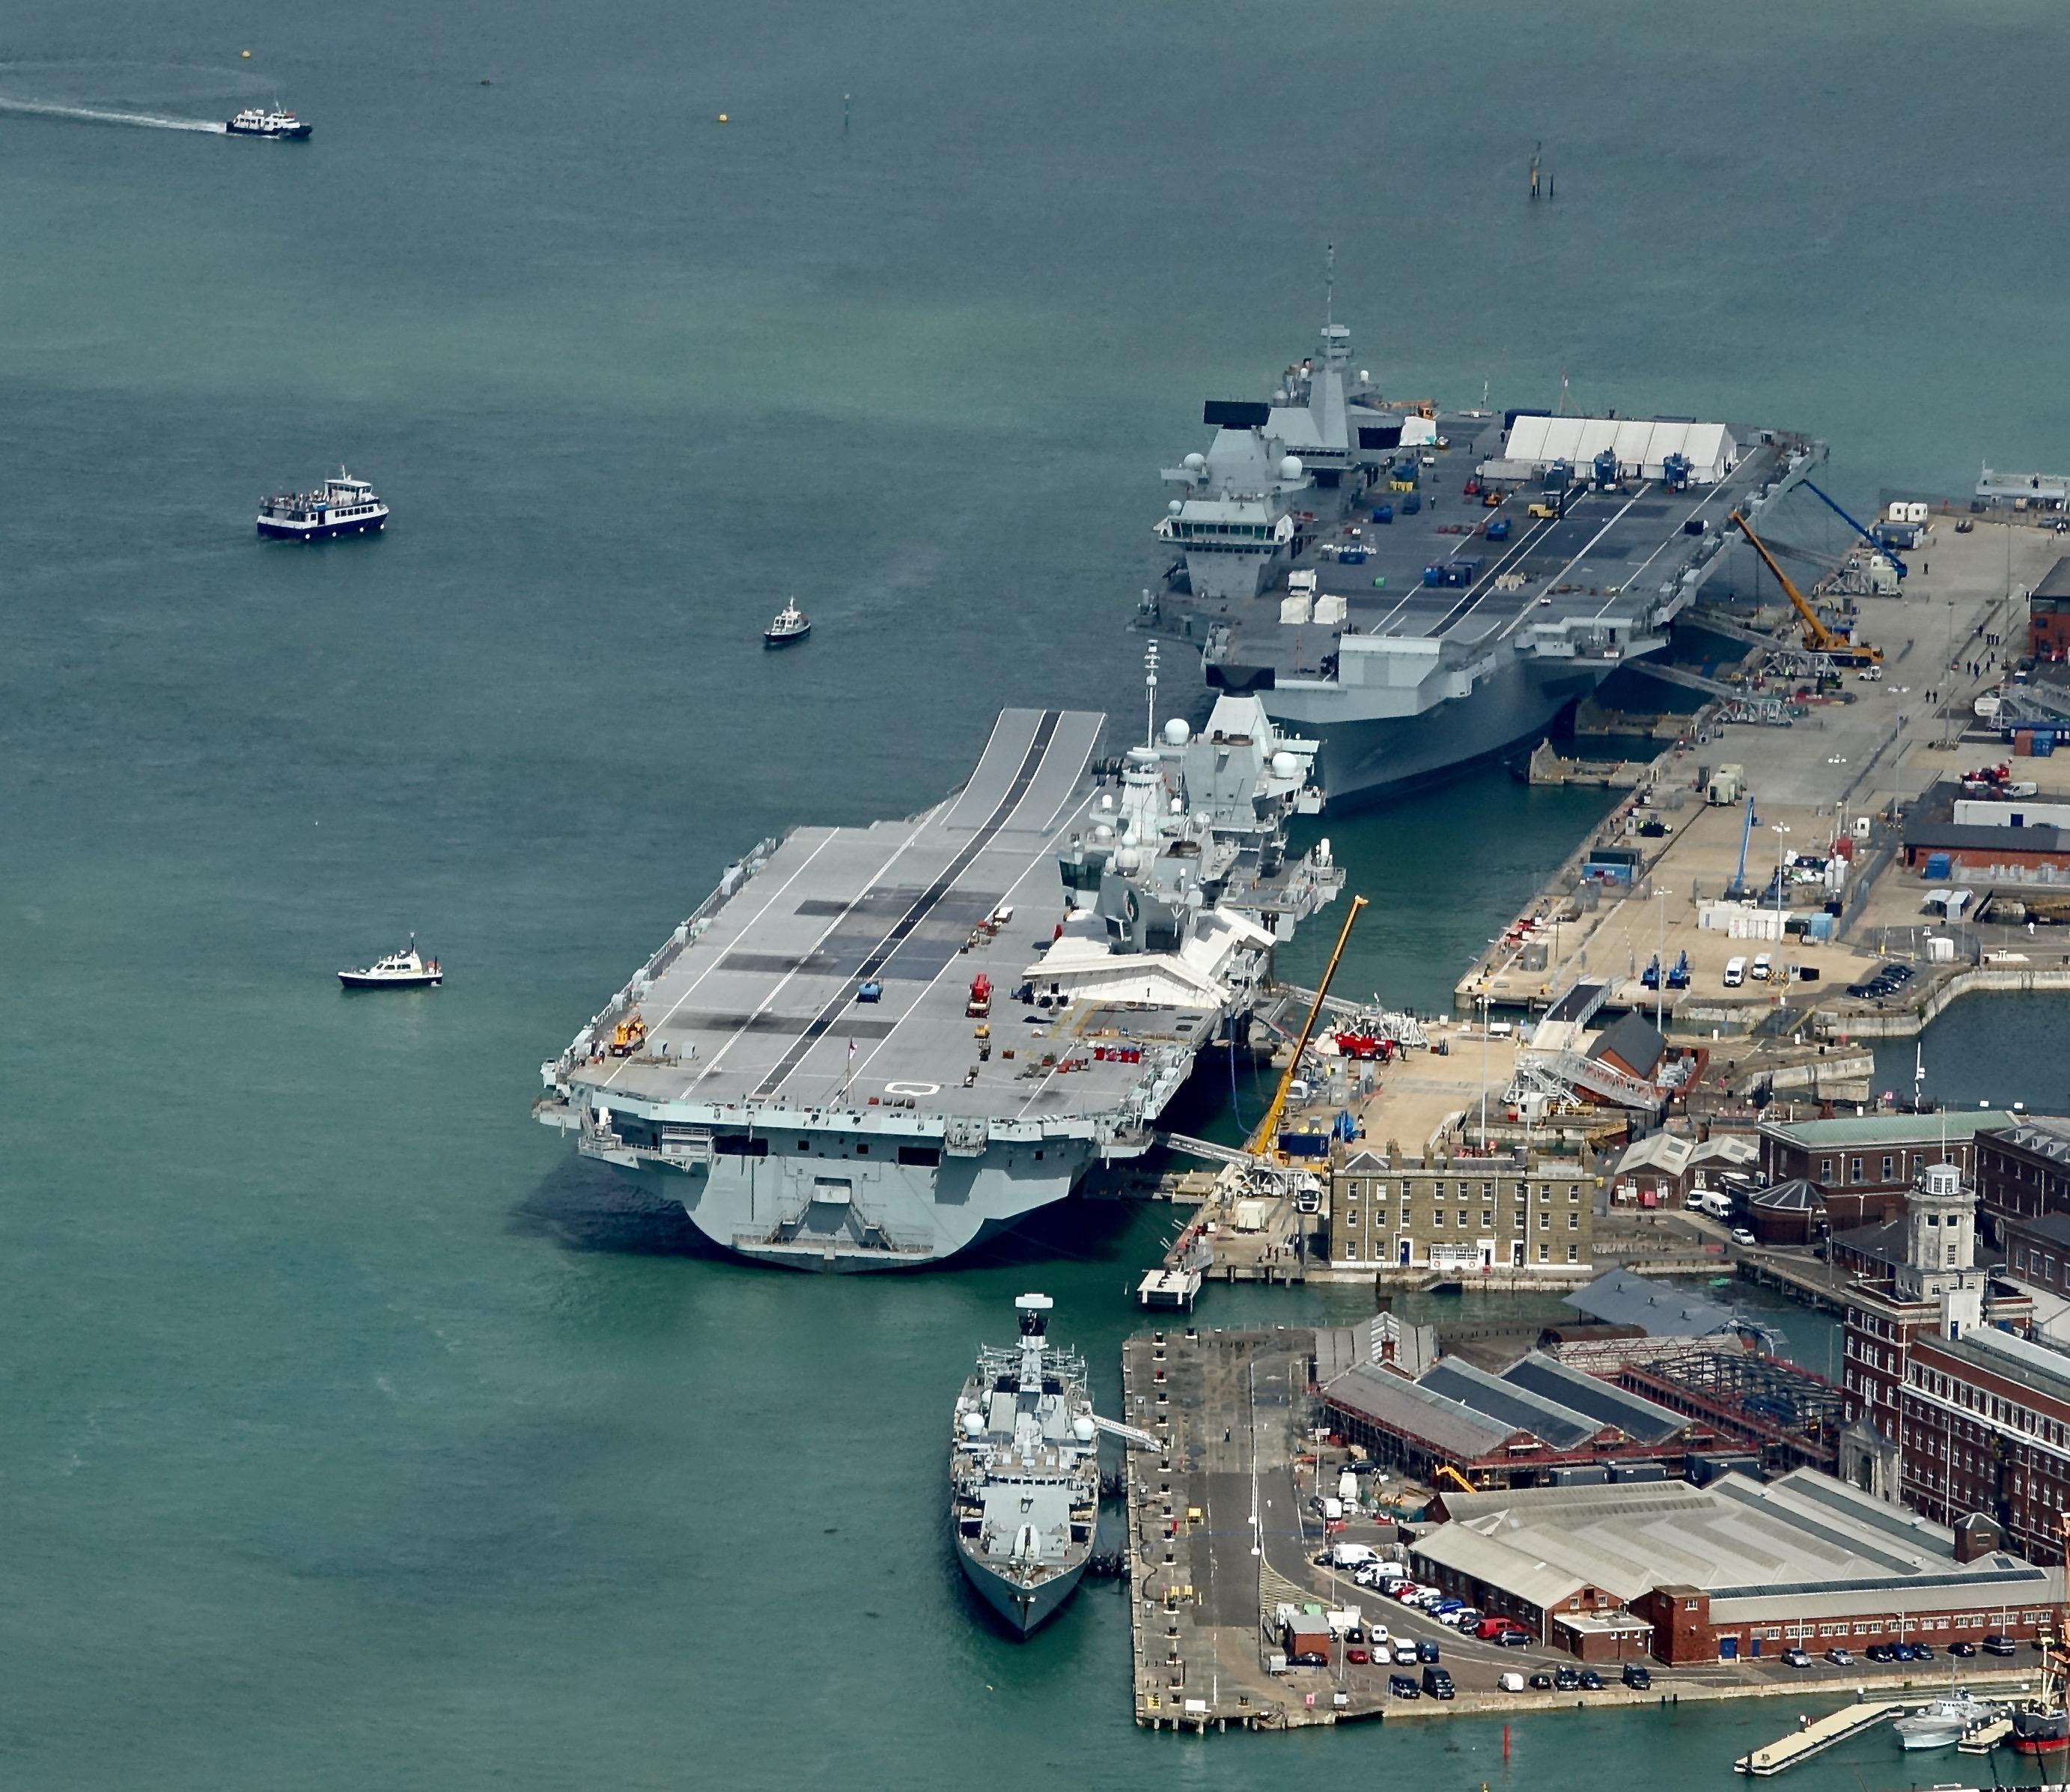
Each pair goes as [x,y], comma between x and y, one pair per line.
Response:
[1264,1141]
[1818,637]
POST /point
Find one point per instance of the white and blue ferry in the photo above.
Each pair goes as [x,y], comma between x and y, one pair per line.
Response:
[268,121]
[344,506]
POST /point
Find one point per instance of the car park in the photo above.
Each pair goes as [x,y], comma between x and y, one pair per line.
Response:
[1404,1686]
[1841,1658]
[1638,1678]
[1795,1658]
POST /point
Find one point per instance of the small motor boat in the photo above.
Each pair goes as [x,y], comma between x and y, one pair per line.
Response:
[408,969]
[791,624]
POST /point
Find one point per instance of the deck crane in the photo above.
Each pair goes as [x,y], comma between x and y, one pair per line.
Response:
[1889,554]
[1818,637]
[1264,1143]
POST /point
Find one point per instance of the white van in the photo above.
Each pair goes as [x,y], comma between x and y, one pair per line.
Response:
[1735,973]
[1763,967]
[1719,1206]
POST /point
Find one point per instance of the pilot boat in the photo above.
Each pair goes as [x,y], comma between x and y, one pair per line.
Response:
[408,969]
[791,624]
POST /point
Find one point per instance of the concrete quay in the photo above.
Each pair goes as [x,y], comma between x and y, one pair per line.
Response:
[1843,761]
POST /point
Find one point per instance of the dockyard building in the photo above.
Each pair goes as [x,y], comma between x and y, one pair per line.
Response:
[1866,1167]
[1467,1216]
[1735,1569]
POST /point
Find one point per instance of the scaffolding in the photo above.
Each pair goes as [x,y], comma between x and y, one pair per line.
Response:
[1759,1402]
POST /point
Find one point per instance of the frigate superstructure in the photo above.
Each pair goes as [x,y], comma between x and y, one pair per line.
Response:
[1023,1473]
[1418,589]
[872,1046]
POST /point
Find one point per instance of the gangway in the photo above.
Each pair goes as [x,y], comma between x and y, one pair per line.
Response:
[1577,1070]
[1689,680]
[1580,1002]
[1206,1150]
[1128,1433]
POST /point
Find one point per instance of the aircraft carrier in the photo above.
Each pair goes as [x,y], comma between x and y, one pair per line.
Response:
[872,1046]
[1420,590]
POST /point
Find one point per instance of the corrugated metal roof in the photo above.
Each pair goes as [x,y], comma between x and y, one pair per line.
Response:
[1599,1400]
[1401,1406]
[1518,1407]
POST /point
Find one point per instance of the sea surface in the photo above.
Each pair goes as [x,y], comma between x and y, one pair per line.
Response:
[355,1435]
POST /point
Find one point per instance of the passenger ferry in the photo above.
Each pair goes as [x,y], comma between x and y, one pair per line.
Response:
[344,506]
[259,121]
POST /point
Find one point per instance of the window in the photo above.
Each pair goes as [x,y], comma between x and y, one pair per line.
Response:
[1544,1191]
[1488,1191]
[1573,1193]
[1488,1219]
[1824,1169]
[1854,1169]
[1521,1218]
[1437,1216]
[1544,1224]
[1573,1253]
[1573,1222]
[1889,1166]
[1463,1219]
[1544,1254]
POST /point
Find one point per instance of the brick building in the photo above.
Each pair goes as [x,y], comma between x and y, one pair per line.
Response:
[1865,1166]
[1670,1168]
[1735,1569]
[2022,1169]
[1464,1214]
[2049,614]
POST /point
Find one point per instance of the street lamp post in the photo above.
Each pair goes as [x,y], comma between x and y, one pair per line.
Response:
[1660,984]
[1781,833]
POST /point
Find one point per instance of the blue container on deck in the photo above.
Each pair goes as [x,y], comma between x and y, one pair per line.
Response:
[1434,575]
[1937,864]
[1411,505]
[1606,469]
[1383,513]
[1351,556]
[1305,1144]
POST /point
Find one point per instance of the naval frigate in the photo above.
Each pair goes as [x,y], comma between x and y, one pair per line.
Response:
[1420,590]
[872,1046]
[1023,1473]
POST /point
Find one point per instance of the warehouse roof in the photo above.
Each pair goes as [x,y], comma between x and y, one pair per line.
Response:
[1519,1408]
[1603,1401]
[1388,1400]
[1806,1537]
[1656,1307]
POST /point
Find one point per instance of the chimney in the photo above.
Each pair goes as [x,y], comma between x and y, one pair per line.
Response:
[1977,1535]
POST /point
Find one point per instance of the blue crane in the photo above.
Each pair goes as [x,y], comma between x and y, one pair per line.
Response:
[1737,889]
[1895,559]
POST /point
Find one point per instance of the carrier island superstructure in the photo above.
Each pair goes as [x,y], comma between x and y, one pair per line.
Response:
[1338,553]
[872,1046]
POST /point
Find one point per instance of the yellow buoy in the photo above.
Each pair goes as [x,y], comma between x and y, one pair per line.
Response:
[247,55]
[722,118]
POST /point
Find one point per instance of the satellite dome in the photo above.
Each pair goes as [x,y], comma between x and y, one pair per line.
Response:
[1290,467]
[1107,799]
[973,1424]
[1128,861]
[1285,765]
[1083,1429]
[1104,833]
[1176,732]
[1174,507]
[1195,462]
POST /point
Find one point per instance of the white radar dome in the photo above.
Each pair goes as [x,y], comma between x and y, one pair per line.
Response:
[1083,1429]
[1290,467]
[973,1424]
[1177,732]
[1285,765]
[1128,861]
[1174,507]
[1104,833]
[1195,462]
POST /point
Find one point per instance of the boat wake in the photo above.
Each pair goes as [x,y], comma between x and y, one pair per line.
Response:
[149,120]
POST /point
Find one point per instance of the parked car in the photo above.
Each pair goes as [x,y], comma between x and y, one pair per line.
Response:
[1795,1658]
[1375,1633]
[1517,1638]
[1444,1608]
[1589,1681]
[1964,1650]
[1427,1648]
[1877,1651]
[1565,1680]
[1995,1644]
[1467,1618]
[1742,1236]
[1405,1652]
[1404,1686]
[1356,1656]
[1541,1683]
[1308,1658]
[1436,1682]
[1923,1650]
[1903,1652]
[1637,1678]
[1490,1630]
[1355,1634]
[1841,1658]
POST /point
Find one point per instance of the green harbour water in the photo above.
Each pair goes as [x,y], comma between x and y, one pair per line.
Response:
[356,1434]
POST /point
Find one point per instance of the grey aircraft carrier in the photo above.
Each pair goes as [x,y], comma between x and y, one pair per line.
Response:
[1337,552]
[872,1046]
